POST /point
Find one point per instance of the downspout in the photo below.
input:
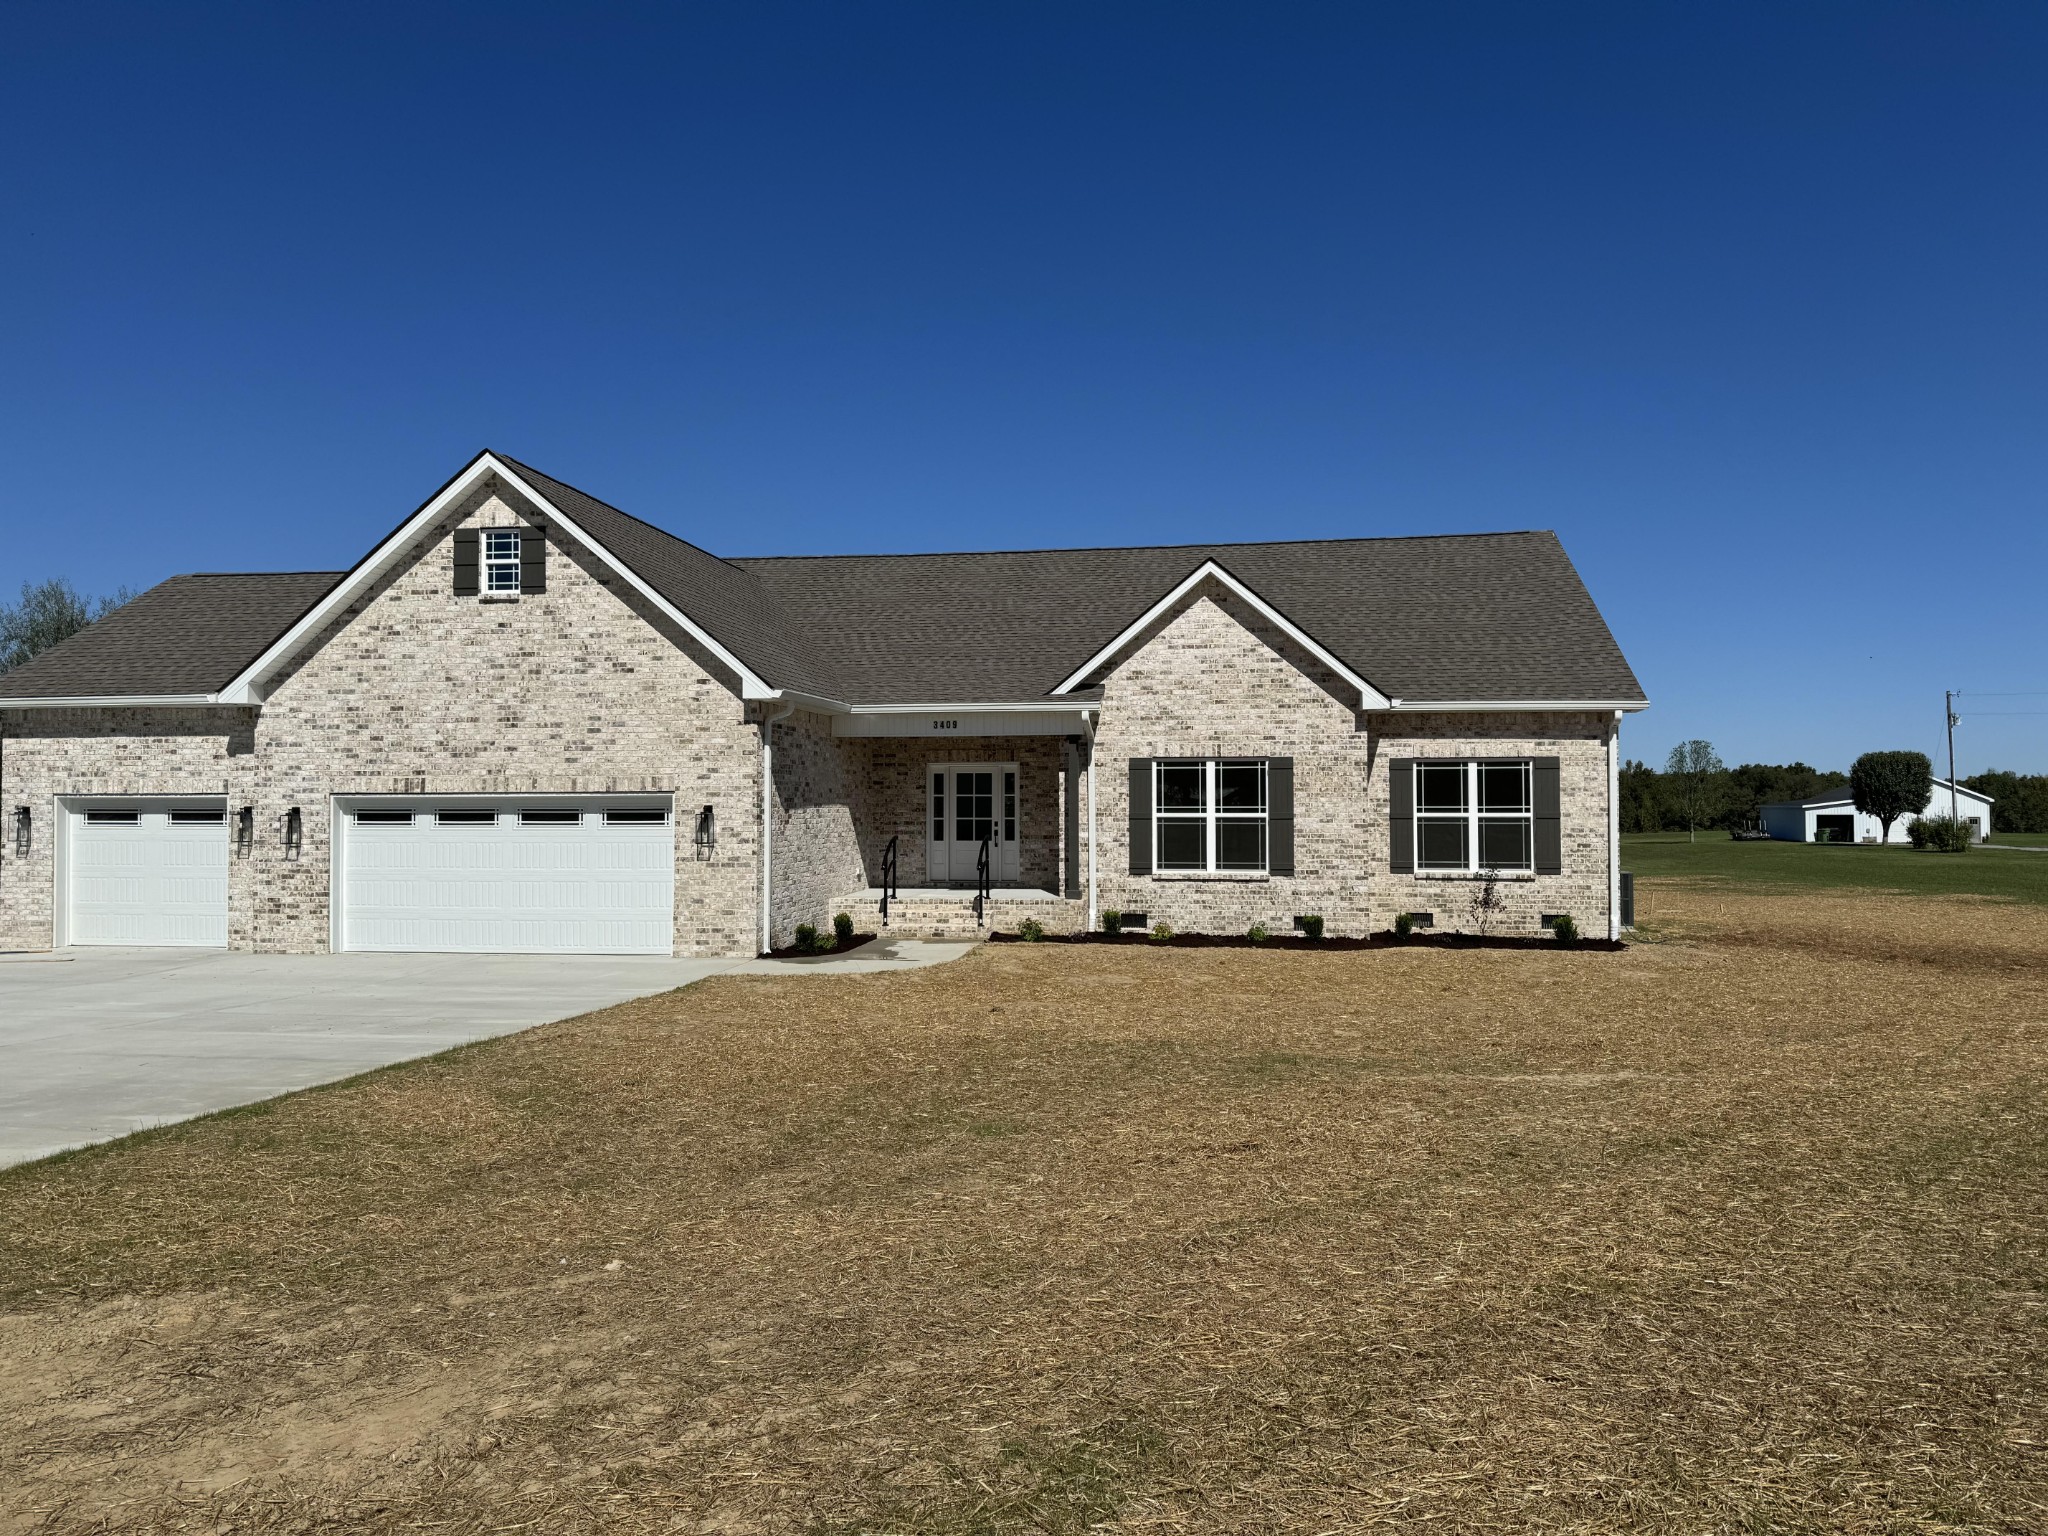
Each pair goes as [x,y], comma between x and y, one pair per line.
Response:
[768,722]
[1614,828]
[1088,729]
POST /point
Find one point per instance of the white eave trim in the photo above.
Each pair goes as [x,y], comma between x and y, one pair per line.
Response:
[117,701]
[1369,697]
[1473,706]
[248,687]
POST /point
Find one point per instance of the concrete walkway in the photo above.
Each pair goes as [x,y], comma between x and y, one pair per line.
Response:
[95,1043]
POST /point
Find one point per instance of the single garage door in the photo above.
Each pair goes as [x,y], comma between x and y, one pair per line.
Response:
[592,875]
[147,873]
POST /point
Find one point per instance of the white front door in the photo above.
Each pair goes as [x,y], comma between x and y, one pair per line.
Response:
[147,874]
[967,804]
[565,875]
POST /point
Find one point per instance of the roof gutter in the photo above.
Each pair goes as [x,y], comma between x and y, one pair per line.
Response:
[1478,706]
[117,701]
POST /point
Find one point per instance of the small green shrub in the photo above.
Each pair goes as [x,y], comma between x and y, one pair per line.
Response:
[807,939]
[1311,928]
[842,929]
[1566,930]
[1257,933]
[1941,834]
[1031,930]
[1162,932]
[1112,920]
[1404,924]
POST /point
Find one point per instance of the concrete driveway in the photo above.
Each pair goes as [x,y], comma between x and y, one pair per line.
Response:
[95,1043]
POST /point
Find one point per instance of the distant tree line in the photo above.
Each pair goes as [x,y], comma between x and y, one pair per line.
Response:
[1656,800]
[1727,798]
[2019,801]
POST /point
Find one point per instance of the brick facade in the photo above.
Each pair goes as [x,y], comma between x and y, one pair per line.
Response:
[582,689]
[587,689]
[1216,679]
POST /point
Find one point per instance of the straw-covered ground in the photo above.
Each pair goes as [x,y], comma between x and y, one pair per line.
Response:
[1745,1229]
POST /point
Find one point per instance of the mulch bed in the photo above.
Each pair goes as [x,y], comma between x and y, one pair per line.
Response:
[791,952]
[1386,939]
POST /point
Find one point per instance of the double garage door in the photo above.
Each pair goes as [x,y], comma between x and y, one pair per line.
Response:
[593,875]
[561,875]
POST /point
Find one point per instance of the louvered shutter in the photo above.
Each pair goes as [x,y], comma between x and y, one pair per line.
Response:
[533,560]
[1141,816]
[1401,816]
[466,541]
[1280,815]
[1549,821]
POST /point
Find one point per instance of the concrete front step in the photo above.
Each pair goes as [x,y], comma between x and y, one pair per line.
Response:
[950,914]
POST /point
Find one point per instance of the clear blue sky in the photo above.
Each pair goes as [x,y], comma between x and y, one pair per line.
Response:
[1750,303]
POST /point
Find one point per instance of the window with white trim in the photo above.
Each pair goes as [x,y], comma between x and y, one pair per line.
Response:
[500,556]
[1209,814]
[1475,815]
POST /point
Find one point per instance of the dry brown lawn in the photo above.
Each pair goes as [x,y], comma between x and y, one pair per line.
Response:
[1743,1230]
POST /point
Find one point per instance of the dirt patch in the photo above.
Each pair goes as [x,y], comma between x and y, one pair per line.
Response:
[1741,1229]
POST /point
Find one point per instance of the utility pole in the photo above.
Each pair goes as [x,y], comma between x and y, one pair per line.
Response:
[1948,704]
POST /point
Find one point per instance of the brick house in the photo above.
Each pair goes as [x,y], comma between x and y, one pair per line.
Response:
[528,721]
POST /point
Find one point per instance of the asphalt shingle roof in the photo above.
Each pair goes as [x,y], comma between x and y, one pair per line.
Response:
[191,634]
[1469,617]
[1473,617]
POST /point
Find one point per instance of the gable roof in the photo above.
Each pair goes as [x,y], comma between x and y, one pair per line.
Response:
[1467,620]
[1460,618]
[187,636]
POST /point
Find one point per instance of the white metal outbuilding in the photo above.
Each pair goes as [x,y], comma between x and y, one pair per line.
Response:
[1832,816]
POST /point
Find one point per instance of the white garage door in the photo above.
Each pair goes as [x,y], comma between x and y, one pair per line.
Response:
[147,873]
[575,876]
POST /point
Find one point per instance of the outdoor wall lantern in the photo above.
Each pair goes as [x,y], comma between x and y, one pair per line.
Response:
[245,831]
[706,836]
[294,832]
[21,831]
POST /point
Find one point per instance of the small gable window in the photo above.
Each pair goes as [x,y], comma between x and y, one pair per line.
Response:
[501,560]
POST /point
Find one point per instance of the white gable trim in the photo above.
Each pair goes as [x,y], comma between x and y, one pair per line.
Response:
[248,688]
[1369,697]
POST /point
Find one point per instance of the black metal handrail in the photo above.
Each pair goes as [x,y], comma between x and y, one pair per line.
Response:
[981,885]
[888,879]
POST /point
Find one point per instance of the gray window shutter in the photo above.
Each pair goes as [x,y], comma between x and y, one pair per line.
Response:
[533,560]
[1401,816]
[1280,815]
[1141,815]
[465,562]
[1549,835]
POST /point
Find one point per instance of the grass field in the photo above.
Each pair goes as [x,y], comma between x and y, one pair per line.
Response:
[2006,874]
[2023,839]
[1741,1230]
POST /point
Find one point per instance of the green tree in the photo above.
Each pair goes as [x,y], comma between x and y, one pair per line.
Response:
[1889,785]
[49,613]
[2019,801]
[1753,786]
[1642,798]
[1697,780]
